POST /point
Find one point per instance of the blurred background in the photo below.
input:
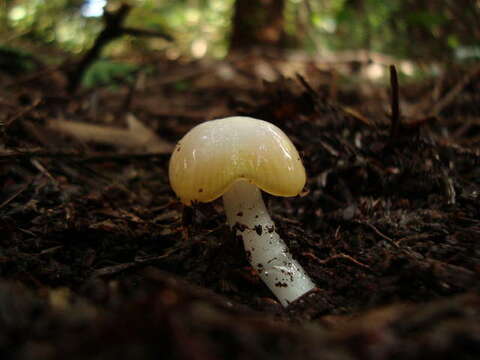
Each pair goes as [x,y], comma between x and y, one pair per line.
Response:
[421,36]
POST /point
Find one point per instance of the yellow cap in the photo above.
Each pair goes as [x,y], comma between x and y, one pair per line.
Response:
[214,154]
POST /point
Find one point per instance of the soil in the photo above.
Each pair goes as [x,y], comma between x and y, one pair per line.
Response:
[99,259]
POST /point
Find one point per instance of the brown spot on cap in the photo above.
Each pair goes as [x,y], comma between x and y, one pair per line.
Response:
[240,227]
[258,229]
[273,259]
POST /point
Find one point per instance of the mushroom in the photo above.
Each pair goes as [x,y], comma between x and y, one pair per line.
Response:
[235,157]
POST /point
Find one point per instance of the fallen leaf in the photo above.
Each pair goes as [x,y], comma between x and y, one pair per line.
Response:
[136,136]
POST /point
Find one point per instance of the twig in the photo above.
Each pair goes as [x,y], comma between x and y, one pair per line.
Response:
[334,257]
[11,198]
[356,115]
[112,30]
[379,233]
[416,237]
[307,86]
[44,171]
[50,250]
[395,116]
[22,113]
[112,270]
[450,192]
[115,269]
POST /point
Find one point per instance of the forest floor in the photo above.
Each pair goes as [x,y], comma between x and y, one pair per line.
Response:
[99,259]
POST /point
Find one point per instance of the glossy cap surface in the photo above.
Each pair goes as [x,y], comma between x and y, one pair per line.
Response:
[214,154]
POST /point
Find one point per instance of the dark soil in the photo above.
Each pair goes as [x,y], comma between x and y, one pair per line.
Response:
[99,260]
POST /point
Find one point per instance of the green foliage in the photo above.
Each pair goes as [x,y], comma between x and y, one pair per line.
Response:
[395,27]
[52,22]
[199,27]
[106,72]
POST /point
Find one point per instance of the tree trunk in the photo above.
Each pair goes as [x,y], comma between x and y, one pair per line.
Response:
[257,24]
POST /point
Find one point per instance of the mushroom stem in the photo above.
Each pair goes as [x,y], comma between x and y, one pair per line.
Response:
[266,251]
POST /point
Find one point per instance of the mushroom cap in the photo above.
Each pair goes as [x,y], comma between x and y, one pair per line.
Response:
[216,153]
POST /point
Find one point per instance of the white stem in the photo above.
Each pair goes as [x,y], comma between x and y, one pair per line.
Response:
[266,251]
